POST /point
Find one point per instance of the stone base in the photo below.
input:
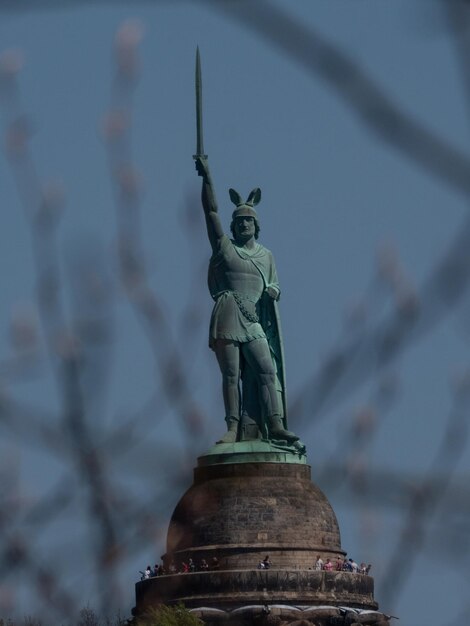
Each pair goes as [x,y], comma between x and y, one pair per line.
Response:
[245,503]
[240,512]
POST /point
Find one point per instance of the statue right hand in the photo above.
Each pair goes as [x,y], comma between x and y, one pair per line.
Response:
[202,167]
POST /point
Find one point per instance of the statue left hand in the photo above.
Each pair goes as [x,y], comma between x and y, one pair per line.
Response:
[272,292]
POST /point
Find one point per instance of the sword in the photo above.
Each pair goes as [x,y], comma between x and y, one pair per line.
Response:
[199,139]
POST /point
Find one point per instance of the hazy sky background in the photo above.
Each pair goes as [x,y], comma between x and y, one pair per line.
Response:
[336,197]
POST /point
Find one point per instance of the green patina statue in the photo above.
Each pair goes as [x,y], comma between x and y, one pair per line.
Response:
[244,331]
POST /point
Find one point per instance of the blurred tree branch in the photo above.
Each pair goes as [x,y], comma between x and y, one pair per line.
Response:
[120,520]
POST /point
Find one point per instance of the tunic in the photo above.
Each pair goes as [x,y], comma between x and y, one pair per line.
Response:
[237,279]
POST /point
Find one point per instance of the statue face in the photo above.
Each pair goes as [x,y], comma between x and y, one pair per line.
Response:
[244,227]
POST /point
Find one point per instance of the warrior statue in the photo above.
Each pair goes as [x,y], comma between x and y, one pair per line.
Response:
[244,328]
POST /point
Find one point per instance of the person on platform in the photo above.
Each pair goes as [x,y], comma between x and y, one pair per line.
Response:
[318,564]
[354,566]
[266,562]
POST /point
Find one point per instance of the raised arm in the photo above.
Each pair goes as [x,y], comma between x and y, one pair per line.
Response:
[209,203]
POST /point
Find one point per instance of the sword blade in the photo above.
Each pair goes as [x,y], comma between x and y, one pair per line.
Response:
[199,136]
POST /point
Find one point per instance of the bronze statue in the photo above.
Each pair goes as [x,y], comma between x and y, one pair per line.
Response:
[244,329]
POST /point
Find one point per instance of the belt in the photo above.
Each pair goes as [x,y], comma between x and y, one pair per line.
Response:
[239,297]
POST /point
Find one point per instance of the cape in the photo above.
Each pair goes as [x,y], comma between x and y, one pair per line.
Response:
[269,316]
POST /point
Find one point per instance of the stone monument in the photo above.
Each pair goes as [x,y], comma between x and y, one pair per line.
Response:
[253,523]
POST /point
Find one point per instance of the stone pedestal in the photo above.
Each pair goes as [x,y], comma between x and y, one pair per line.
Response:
[246,502]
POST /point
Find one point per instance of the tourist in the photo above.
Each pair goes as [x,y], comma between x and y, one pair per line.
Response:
[266,562]
[347,566]
[328,565]
[204,566]
[339,564]
[318,564]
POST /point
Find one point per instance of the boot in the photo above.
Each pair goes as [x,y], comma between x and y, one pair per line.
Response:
[277,430]
[232,432]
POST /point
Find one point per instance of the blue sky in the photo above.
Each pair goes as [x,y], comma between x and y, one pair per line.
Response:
[336,197]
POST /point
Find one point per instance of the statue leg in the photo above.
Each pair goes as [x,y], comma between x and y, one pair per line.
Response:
[252,423]
[258,356]
[228,357]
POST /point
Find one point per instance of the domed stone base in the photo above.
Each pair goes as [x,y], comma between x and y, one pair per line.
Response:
[241,512]
[249,500]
